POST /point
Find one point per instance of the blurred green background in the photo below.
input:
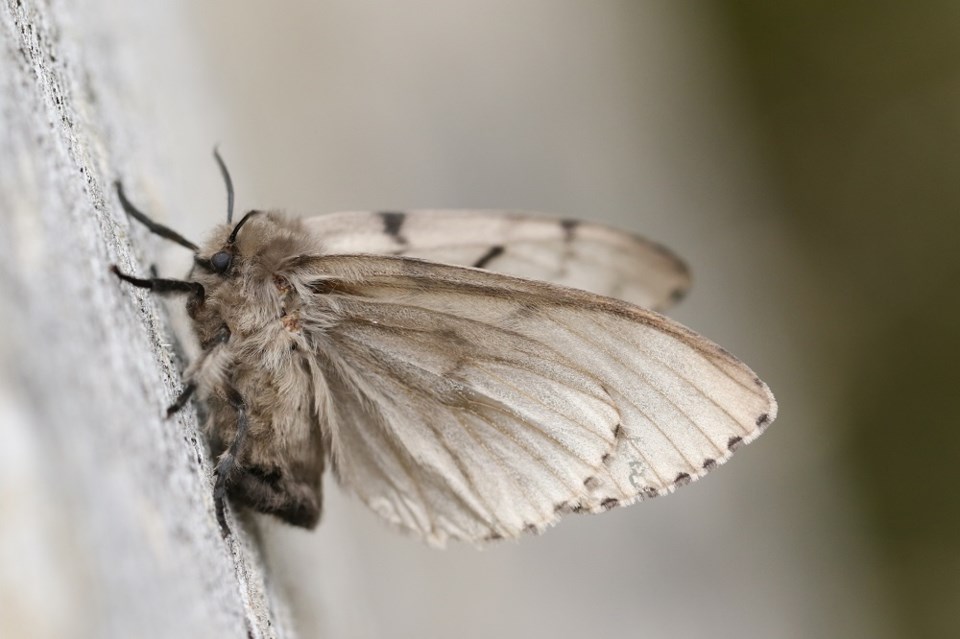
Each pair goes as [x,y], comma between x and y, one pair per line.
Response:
[858,109]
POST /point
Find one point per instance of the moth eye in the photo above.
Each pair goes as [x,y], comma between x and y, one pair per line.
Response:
[221,261]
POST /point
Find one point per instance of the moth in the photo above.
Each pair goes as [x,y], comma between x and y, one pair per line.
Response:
[468,375]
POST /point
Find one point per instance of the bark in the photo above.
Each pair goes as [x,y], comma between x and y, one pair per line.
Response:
[107,526]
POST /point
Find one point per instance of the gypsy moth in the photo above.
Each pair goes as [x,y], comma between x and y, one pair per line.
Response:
[468,374]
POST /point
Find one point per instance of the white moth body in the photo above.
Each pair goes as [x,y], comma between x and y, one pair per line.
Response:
[469,375]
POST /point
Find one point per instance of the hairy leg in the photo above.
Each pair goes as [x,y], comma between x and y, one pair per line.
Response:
[162,285]
[228,466]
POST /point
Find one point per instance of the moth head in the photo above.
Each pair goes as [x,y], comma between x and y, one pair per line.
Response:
[222,250]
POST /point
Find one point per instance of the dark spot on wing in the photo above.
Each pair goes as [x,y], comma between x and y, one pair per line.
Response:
[763,420]
[530,528]
[650,492]
[562,507]
[493,537]
[609,503]
[617,431]
[493,253]
[758,382]
[734,443]
[709,464]
[682,479]
[392,222]
[569,228]
[577,508]
[606,458]
[591,482]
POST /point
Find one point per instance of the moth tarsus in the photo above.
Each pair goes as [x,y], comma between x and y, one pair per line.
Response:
[178,404]
[450,406]
[220,506]
[229,460]
[228,464]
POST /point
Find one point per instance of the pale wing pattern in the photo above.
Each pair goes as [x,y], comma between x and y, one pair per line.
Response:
[472,405]
[581,255]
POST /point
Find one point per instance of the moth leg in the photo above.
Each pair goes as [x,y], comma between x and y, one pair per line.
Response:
[227,466]
[268,491]
[222,336]
[158,229]
[163,286]
[181,399]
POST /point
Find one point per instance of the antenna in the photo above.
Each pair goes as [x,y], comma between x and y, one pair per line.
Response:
[226,178]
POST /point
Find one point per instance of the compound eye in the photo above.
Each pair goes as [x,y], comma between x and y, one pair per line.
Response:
[221,261]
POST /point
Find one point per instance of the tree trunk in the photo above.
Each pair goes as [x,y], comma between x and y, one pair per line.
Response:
[107,526]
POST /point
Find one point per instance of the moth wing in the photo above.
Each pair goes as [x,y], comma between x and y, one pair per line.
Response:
[581,255]
[471,405]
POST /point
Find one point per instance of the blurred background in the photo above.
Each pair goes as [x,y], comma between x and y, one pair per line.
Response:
[801,156]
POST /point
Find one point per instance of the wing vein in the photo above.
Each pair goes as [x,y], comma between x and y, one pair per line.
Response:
[652,386]
[547,436]
[689,382]
[402,462]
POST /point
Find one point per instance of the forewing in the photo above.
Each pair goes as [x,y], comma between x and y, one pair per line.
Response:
[472,405]
[581,255]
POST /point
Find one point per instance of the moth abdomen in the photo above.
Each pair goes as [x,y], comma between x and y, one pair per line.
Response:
[297,504]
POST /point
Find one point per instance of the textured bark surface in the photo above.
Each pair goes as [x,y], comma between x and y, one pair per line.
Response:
[106,517]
